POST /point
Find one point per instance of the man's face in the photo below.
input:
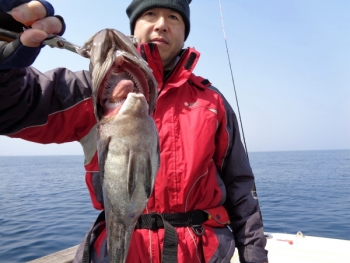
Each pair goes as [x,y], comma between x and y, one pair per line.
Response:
[166,29]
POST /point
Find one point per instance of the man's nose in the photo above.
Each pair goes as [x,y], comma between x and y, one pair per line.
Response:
[161,24]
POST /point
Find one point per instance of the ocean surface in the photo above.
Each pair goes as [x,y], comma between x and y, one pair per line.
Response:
[45,206]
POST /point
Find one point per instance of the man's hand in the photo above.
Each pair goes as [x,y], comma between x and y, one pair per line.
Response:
[34,14]
[39,17]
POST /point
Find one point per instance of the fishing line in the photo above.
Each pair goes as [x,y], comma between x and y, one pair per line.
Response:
[254,193]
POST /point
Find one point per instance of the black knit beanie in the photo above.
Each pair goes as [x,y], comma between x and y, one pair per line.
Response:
[138,7]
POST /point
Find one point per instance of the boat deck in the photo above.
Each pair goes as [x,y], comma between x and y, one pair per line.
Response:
[63,256]
[283,248]
[287,248]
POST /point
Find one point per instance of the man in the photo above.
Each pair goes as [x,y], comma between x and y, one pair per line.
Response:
[204,169]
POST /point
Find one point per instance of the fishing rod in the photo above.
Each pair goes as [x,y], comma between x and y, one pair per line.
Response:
[254,192]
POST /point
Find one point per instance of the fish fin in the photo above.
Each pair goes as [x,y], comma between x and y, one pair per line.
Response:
[102,156]
[140,165]
[149,183]
[148,178]
[132,174]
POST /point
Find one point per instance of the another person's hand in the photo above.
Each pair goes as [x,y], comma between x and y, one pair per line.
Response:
[39,16]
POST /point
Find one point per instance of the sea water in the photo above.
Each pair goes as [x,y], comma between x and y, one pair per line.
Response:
[45,206]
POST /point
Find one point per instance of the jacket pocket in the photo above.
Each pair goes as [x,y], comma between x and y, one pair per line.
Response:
[218,245]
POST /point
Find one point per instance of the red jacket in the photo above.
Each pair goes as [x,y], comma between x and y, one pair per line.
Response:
[203,162]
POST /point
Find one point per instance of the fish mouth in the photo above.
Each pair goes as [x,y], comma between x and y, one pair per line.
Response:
[121,79]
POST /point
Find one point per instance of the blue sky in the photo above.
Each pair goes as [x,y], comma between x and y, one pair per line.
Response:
[290,61]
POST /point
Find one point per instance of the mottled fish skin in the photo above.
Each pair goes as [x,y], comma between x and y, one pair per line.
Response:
[105,48]
[127,143]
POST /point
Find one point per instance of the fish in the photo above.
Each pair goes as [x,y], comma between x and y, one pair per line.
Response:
[124,93]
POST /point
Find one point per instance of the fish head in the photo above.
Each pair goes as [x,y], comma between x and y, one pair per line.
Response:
[117,69]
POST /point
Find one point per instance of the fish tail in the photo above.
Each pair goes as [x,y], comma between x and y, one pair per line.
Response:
[118,241]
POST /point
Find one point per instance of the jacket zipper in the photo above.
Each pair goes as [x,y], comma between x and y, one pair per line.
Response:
[171,72]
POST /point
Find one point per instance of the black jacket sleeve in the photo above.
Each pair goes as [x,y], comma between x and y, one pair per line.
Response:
[34,106]
[242,208]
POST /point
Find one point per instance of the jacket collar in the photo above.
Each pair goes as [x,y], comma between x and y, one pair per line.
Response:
[183,69]
[181,72]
